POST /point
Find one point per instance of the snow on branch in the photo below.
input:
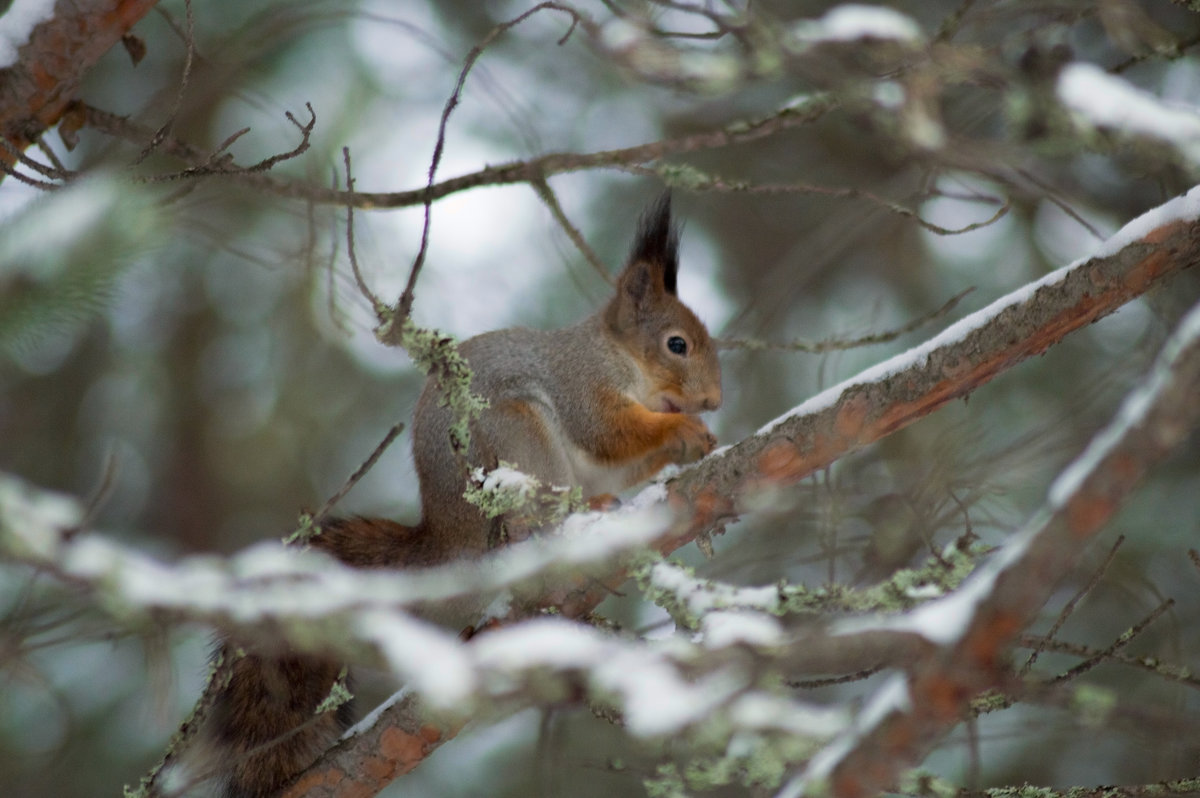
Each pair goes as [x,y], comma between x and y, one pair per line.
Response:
[268,584]
[909,386]
[1098,99]
[690,600]
[54,55]
[853,22]
[972,628]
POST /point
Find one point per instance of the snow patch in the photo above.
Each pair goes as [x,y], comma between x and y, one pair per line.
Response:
[656,701]
[852,21]
[507,480]
[26,514]
[432,660]
[729,628]
[1107,101]
[700,596]
[552,642]
[17,23]
[766,712]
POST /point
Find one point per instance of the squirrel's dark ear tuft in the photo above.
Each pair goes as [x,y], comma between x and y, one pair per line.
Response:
[657,241]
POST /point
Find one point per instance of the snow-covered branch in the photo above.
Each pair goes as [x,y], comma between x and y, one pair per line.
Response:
[47,50]
[270,587]
[971,630]
[968,354]
[1098,100]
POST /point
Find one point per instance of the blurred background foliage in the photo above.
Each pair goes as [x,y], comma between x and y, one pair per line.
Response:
[195,350]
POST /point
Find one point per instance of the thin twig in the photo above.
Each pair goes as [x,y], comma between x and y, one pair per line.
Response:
[61,171]
[20,157]
[358,474]
[1062,204]
[973,759]
[513,172]
[99,497]
[816,347]
[1123,640]
[950,24]
[812,684]
[189,41]
[376,304]
[1069,607]
[546,194]
[404,306]
[1181,48]
[1174,673]
[219,163]
[693,180]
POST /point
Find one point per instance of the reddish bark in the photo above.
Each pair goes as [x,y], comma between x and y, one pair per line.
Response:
[39,88]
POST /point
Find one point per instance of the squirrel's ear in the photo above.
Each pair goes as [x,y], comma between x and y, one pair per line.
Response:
[656,247]
[652,267]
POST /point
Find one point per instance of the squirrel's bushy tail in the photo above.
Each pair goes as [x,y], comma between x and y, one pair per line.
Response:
[264,725]
[264,722]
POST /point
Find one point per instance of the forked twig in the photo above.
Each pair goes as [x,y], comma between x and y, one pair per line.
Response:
[1069,607]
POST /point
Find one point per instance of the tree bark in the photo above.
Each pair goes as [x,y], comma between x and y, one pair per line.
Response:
[37,90]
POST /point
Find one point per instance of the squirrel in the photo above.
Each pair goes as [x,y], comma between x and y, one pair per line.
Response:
[601,405]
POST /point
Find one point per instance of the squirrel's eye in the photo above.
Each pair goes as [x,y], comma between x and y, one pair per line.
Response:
[677,345]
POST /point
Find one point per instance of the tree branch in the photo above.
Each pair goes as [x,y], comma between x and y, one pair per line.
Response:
[975,627]
[35,91]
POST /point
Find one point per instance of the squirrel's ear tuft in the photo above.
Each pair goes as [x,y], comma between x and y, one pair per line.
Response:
[657,242]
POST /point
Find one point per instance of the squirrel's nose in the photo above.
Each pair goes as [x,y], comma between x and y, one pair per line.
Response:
[712,400]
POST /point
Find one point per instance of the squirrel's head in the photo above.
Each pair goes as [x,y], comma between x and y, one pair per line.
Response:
[669,344]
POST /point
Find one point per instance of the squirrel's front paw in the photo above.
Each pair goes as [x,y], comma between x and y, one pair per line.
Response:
[695,440]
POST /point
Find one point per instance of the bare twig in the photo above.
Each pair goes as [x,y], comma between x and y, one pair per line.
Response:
[404,305]
[837,345]
[691,179]
[189,40]
[20,157]
[220,163]
[542,187]
[812,684]
[1069,607]
[525,171]
[99,497]
[376,303]
[1174,673]
[358,474]
[1123,640]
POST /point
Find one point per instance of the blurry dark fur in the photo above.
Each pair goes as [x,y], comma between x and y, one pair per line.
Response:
[264,722]
[657,240]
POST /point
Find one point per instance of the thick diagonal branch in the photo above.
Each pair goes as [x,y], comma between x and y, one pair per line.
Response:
[977,625]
